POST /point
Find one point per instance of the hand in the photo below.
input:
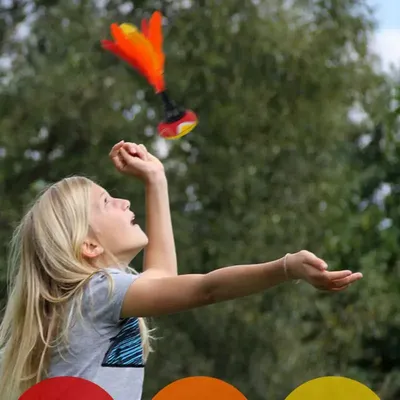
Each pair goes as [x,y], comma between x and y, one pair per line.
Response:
[308,267]
[135,160]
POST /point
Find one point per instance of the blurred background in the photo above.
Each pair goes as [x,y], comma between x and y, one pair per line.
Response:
[297,148]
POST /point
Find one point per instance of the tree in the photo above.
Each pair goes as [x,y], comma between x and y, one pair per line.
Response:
[263,174]
[368,242]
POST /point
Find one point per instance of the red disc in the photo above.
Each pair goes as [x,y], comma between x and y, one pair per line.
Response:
[65,388]
[177,129]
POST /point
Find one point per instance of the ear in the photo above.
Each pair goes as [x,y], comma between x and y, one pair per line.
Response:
[91,249]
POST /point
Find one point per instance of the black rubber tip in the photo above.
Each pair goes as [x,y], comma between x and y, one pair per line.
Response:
[172,111]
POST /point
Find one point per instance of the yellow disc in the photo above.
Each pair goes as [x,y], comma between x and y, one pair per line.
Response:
[332,388]
[128,28]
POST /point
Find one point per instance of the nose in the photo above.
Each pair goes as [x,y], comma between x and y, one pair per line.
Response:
[125,204]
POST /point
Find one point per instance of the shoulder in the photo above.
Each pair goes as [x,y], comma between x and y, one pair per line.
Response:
[105,291]
[110,276]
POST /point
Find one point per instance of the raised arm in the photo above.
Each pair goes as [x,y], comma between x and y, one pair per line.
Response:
[160,254]
[149,297]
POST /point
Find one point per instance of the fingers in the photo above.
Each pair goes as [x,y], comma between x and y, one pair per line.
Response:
[314,261]
[136,150]
[316,273]
[348,280]
[131,148]
[336,285]
[144,153]
[115,149]
[337,275]
[125,156]
[143,150]
[119,163]
[133,159]
[115,156]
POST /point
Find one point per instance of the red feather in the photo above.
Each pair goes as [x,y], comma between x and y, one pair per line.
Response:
[145,27]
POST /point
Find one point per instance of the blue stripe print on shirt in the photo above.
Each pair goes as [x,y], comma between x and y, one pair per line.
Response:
[126,348]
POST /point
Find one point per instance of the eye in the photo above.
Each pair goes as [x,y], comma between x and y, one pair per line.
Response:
[105,200]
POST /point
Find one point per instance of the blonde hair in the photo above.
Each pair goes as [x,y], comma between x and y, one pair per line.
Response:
[47,270]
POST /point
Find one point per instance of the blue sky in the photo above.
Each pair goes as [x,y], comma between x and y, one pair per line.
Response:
[386,41]
[387,13]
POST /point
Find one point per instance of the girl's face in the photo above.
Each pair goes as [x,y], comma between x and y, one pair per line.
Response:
[114,227]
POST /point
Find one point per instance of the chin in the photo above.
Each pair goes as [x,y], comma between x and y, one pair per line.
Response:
[144,243]
[137,249]
[141,241]
[137,243]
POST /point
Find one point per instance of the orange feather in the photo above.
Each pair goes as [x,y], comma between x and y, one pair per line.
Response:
[142,50]
[155,36]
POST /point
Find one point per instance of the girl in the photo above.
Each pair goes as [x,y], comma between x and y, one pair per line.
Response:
[75,309]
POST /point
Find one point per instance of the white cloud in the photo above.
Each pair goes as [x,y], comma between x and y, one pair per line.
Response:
[386,43]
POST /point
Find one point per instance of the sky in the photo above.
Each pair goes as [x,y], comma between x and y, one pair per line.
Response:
[386,41]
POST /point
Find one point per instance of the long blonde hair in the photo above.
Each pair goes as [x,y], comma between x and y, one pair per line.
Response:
[46,271]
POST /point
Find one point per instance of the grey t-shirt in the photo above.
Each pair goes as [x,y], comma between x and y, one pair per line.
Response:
[103,348]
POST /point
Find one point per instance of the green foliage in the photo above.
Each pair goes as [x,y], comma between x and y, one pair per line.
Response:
[274,166]
[369,243]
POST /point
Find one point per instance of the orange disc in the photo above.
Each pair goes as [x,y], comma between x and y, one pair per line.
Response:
[199,388]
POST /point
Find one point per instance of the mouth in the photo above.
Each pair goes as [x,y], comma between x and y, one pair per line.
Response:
[133,221]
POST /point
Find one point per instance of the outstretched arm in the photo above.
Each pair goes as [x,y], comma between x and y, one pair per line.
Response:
[149,297]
